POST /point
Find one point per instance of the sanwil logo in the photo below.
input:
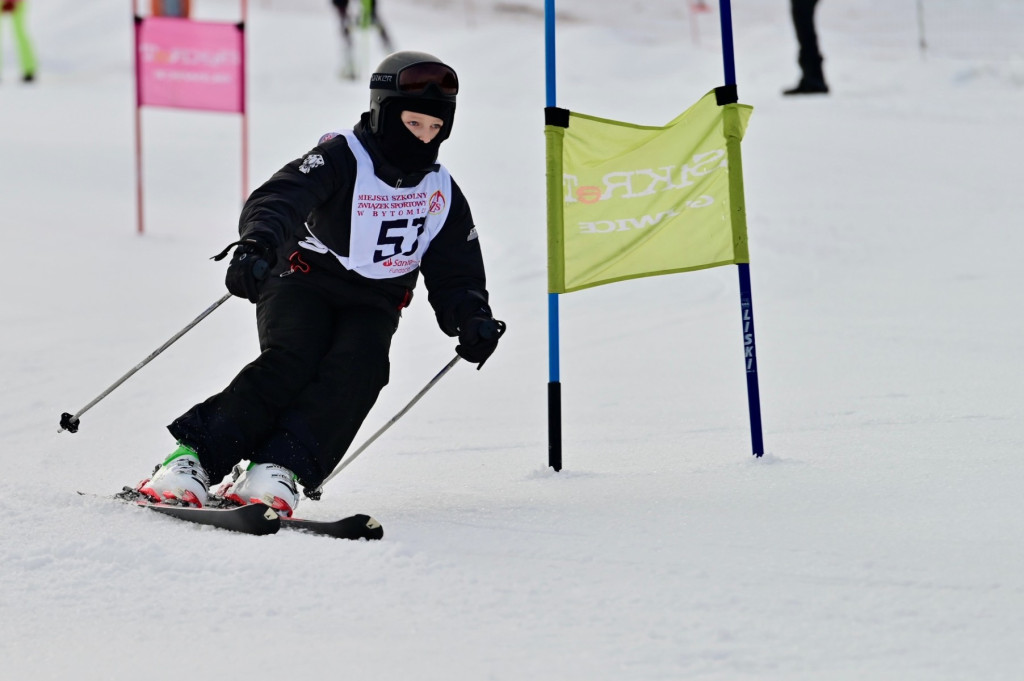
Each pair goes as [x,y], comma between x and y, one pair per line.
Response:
[626,224]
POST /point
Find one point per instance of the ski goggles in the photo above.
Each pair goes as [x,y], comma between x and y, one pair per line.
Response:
[415,79]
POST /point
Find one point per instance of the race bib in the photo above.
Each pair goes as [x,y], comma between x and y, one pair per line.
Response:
[391,227]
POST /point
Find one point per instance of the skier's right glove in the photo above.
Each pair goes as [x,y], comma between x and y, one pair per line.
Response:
[478,337]
[249,267]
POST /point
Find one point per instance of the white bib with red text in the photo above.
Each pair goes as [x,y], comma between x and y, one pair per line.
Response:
[391,226]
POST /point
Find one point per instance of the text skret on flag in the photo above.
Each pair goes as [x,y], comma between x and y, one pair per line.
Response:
[628,201]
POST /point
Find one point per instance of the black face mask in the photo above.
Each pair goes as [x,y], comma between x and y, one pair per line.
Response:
[403,149]
[406,152]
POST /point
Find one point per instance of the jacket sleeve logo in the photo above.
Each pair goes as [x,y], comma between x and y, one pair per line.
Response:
[310,162]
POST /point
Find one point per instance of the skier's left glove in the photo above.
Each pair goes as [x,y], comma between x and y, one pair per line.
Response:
[478,337]
[249,267]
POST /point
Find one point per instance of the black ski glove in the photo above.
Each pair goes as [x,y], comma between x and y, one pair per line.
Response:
[478,337]
[249,267]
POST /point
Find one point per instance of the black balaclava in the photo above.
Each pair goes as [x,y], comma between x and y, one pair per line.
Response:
[400,146]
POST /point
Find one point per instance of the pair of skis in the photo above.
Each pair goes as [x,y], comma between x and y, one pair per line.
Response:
[258,519]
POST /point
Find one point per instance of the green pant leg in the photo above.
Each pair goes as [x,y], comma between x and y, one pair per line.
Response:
[25,53]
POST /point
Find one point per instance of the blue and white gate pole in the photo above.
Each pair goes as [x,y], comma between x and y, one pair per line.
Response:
[554,380]
[746,297]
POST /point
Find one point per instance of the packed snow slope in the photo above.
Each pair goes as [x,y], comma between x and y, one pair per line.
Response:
[880,537]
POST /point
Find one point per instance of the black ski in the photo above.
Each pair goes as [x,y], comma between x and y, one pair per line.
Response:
[354,527]
[359,526]
[254,519]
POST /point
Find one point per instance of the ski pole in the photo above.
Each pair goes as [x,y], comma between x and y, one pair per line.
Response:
[70,423]
[315,494]
[491,329]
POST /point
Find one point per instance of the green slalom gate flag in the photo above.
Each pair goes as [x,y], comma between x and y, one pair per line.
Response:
[628,201]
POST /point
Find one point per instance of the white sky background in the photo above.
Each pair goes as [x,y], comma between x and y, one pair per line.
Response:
[881,536]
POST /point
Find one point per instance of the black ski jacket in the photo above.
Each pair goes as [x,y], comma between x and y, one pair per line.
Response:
[276,214]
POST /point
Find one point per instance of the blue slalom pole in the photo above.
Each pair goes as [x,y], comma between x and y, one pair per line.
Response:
[728,52]
[549,52]
[554,378]
[746,297]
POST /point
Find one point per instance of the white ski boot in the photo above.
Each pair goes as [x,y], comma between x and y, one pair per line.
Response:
[265,483]
[180,478]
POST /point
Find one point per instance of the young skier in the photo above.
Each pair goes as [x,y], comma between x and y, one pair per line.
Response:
[368,17]
[330,250]
[26,55]
[812,75]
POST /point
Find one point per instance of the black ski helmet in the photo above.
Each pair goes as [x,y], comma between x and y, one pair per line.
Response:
[414,81]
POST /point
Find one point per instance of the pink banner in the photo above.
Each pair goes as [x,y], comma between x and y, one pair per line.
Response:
[188,64]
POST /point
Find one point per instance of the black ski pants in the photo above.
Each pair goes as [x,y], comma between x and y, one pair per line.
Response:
[323,362]
[810,56]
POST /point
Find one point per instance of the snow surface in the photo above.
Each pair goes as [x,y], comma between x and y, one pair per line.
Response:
[881,536]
